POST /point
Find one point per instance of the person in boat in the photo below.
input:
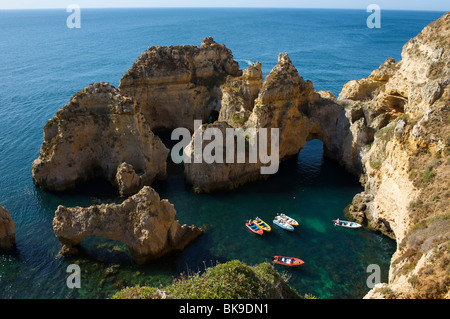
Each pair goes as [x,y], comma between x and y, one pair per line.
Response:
[337,222]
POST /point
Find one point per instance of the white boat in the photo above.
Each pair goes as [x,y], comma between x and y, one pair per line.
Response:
[346,223]
[282,223]
[288,219]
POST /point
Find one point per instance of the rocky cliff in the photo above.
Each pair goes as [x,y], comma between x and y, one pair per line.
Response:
[391,129]
[286,102]
[177,84]
[94,134]
[144,223]
[406,168]
[239,94]
[104,131]
[7,235]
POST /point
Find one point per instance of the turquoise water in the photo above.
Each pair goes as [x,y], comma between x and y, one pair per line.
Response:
[43,63]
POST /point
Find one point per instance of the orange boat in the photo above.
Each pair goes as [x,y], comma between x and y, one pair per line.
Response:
[254,228]
[287,261]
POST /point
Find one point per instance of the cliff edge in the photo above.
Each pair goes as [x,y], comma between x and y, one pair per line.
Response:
[144,223]
[406,167]
[94,134]
[7,234]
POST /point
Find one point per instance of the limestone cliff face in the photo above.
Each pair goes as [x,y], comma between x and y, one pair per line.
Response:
[391,129]
[7,235]
[93,134]
[239,94]
[286,102]
[423,73]
[144,223]
[276,105]
[406,167]
[177,84]
[208,177]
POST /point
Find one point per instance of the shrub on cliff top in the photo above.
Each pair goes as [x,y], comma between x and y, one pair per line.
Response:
[231,280]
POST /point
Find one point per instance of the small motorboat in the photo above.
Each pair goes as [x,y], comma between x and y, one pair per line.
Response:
[254,228]
[280,222]
[346,224]
[290,220]
[287,261]
[262,224]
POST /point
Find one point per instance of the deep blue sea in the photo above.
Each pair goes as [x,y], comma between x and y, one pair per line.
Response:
[43,64]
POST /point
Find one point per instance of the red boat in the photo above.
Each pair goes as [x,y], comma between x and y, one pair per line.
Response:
[287,261]
[254,228]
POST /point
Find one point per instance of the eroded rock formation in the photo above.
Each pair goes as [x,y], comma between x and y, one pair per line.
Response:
[286,102]
[92,135]
[144,223]
[7,234]
[208,177]
[390,128]
[406,168]
[239,94]
[104,131]
[177,84]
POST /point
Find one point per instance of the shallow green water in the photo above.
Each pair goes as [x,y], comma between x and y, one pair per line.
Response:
[309,188]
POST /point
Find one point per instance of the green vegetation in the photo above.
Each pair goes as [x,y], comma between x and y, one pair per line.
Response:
[386,132]
[238,119]
[427,238]
[376,164]
[428,174]
[382,137]
[426,223]
[49,123]
[231,280]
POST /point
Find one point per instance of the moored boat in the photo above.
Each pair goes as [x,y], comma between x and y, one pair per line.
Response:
[280,222]
[254,228]
[287,261]
[288,219]
[346,223]
[262,224]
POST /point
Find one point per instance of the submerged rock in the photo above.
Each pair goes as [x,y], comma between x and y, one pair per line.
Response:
[144,223]
[7,234]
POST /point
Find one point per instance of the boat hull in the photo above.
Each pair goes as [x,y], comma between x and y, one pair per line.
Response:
[262,224]
[287,261]
[284,226]
[346,224]
[254,229]
[289,220]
